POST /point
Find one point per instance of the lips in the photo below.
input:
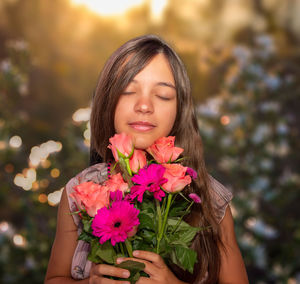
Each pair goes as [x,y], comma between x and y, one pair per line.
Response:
[141,125]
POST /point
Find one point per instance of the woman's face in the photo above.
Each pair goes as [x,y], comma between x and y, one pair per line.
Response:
[146,110]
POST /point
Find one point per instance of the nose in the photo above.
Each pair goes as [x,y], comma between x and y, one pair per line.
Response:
[144,105]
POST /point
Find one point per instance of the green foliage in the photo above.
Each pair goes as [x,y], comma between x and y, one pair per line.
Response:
[107,253]
[182,234]
[101,253]
[135,269]
[173,246]
[178,234]
[146,220]
[186,258]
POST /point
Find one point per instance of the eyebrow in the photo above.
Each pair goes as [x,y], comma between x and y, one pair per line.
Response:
[164,84]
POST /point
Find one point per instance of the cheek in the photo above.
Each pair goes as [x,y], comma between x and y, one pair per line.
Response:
[173,118]
[119,117]
[168,118]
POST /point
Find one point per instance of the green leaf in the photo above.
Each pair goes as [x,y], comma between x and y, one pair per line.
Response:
[148,236]
[186,257]
[84,236]
[134,278]
[117,256]
[185,237]
[107,252]
[103,252]
[173,222]
[174,259]
[146,221]
[148,206]
[178,209]
[141,245]
[183,226]
[134,267]
[93,256]
[87,225]
[164,247]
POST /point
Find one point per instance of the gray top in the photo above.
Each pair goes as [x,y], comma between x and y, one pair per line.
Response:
[97,173]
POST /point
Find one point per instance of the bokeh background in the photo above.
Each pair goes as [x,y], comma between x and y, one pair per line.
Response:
[243,59]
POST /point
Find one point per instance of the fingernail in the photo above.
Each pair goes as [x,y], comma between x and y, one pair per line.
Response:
[120,259]
[136,253]
[125,282]
[126,274]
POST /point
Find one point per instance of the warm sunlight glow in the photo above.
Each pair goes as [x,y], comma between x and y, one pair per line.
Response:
[157,8]
[109,8]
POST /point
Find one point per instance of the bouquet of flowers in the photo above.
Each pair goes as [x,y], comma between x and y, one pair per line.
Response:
[140,209]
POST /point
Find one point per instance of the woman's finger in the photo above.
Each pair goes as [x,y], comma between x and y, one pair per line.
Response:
[144,280]
[109,270]
[100,280]
[155,258]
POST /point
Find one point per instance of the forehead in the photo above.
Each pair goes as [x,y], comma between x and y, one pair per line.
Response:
[157,68]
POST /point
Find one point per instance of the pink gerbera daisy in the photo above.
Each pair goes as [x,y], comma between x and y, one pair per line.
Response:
[114,223]
[149,178]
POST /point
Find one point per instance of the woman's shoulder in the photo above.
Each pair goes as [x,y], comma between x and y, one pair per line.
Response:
[96,173]
[220,196]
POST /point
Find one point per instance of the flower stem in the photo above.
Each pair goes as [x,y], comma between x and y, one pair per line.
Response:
[163,227]
[164,205]
[128,247]
[179,221]
[124,165]
[184,197]
[114,166]
[158,215]
[128,167]
[122,248]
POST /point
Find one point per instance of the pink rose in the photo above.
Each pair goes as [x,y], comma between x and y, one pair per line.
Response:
[177,178]
[138,160]
[91,197]
[163,150]
[116,182]
[121,143]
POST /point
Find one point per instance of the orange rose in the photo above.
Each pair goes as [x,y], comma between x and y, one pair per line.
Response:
[116,182]
[121,145]
[138,160]
[177,178]
[163,150]
[91,197]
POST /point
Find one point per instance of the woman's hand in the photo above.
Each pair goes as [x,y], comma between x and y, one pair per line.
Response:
[99,271]
[154,267]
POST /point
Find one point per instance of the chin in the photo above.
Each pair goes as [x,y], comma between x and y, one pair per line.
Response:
[142,144]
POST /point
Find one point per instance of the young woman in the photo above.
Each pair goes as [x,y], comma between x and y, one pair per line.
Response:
[144,91]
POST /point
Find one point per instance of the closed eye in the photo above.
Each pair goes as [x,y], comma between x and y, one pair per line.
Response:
[128,93]
[164,98]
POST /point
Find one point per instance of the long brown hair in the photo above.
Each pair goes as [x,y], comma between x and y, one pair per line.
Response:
[122,66]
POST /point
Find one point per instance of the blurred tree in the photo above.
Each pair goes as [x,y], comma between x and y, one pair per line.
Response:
[27,226]
[250,138]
